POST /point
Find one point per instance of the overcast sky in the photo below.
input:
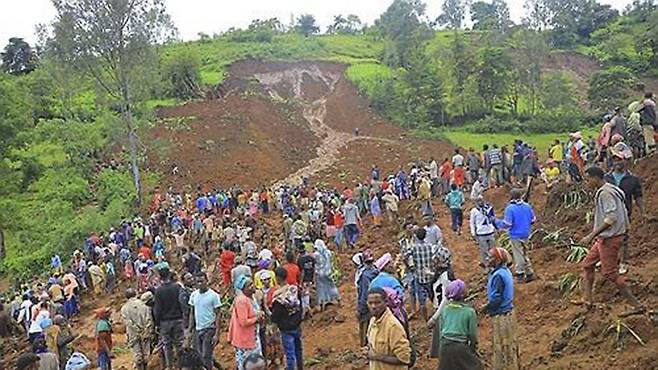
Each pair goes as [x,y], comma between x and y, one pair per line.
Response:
[18,17]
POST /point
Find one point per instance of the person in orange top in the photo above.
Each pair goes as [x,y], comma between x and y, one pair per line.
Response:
[242,330]
[458,176]
[294,273]
[226,264]
[444,172]
[339,222]
[347,193]
[146,251]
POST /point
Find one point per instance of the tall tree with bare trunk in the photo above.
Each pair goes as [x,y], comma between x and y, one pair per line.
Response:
[113,42]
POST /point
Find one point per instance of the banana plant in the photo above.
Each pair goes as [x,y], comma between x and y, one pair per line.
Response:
[577,253]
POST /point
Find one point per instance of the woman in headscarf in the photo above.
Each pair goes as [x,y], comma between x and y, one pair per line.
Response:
[243,326]
[375,209]
[457,332]
[97,277]
[325,286]
[386,277]
[500,294]
[71,288]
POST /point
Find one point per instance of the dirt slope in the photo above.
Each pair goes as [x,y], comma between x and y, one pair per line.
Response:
[276,122]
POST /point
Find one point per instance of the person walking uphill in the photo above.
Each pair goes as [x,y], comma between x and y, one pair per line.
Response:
[206,318]
[500,305]
[458,326]
[482,229]
[287,315]
[168,316]
[518,220]
[243,327]
[455,201]
[104,338]
[137,318]
[352,222]
[388,345]
[610,227]
[366,276]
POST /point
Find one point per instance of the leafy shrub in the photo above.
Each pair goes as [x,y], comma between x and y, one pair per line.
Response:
[182,70]
[112,185]
[610,87]
[66,184]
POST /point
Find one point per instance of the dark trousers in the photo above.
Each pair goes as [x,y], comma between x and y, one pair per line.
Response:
[351,234]
[457,216]
[203,343]
[292,346]
[171,334]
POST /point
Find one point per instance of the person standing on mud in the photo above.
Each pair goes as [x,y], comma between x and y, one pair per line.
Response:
[352,222]
[168,316]
[136,316]
[422,254]
[366,276]
[611,225]
[482,229]
[518,220]
[205,319]
[500,306]
[621,177]
[388,346]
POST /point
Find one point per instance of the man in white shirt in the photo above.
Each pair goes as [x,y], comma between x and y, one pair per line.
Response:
[482,229]
[457,159]
[434,176]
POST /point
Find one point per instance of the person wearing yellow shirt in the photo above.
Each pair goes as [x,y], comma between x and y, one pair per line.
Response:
[556,152]
[551,174]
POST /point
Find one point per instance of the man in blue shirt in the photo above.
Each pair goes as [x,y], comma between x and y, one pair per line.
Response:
[518,220]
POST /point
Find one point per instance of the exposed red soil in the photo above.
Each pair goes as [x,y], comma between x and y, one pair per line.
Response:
[238,140]
[283,143]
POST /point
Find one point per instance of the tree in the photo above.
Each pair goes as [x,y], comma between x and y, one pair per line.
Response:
[183,72]
[18,57]
[453,13]
[401,24]
[530,50]
[350,25]
[570,21]
[610,87]
[538,14]
[306,25]
[490,16]
[461,62]
[424,96]
[494,72]
[559,91]
[112,41]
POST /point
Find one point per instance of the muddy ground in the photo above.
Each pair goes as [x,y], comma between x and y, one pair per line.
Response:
[281,121]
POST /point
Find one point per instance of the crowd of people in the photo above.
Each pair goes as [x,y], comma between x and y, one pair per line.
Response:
[222,262]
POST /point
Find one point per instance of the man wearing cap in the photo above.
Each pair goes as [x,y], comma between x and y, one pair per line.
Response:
[621,177]
[611,224]
[137,318]
[367,274]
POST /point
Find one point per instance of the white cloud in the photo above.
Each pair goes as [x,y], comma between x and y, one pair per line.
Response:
[18,18]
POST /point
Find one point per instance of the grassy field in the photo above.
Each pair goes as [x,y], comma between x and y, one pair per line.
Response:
[467,140]
[217,54]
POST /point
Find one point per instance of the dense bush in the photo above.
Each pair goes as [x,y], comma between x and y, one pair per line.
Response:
[182,71]
[610,87]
